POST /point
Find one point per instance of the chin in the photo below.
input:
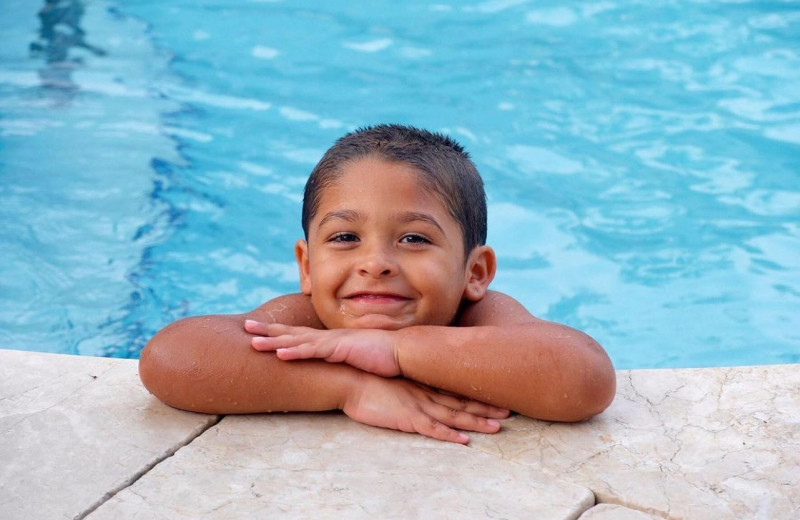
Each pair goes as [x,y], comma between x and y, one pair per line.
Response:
[377,321]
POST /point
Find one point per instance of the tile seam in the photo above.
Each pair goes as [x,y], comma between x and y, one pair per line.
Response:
[146,469]
[647,511]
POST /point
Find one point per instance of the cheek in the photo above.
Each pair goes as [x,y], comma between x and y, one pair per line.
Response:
[445,287]
[326,275]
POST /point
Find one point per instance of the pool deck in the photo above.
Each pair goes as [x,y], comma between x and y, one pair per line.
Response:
[81,438]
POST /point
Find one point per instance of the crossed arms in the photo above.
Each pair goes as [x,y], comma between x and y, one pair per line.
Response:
[425,379]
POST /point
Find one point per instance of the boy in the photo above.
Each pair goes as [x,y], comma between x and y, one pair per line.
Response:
[395,321]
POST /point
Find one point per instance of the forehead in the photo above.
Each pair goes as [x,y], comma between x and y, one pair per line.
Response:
[367,180]
[373,189]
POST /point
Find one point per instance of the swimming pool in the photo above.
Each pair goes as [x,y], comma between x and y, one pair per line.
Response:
[641,161]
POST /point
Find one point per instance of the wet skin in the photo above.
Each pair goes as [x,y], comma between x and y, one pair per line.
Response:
[383,252]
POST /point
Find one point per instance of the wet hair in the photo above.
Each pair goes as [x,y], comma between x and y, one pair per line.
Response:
[444,168]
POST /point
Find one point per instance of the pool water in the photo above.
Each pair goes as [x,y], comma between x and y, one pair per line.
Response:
[642,160]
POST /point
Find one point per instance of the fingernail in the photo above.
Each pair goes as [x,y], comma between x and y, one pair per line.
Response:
[463,437]
[493,423]
[249,322]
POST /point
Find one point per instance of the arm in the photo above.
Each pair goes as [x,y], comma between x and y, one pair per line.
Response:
[499,354]
[206,364]
[502,355]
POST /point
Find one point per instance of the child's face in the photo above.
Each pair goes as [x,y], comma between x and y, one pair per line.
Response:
[383,252]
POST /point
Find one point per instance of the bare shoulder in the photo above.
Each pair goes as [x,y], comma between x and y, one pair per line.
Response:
[289,309]
[497,309]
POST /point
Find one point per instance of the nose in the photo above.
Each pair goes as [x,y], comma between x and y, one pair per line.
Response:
[378,262]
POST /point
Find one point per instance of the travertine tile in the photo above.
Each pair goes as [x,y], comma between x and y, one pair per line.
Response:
[73,429]
[612,512]
[327,466]
[705,443]
[716,444]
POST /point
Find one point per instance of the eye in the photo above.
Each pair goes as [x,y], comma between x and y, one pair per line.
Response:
[413,238]
[343,237]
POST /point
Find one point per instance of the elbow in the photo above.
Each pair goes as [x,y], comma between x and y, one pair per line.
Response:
[595,388]
[594,396]
[585,387]
[151,366]
[167,367]
[155,370]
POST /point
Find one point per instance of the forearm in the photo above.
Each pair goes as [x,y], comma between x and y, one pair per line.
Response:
[206,364]
[540,369]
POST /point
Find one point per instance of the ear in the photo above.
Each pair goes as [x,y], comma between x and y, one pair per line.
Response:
[481,267]
[301,254]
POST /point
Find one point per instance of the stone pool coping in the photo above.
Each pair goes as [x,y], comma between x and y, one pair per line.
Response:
[81,438]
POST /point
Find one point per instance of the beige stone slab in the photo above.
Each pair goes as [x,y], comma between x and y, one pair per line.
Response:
[327,466]
[613,512]
[696,444]
[74,429]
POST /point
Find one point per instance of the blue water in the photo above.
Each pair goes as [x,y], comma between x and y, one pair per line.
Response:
[642,161]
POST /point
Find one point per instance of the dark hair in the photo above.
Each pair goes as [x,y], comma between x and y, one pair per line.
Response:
[445,169]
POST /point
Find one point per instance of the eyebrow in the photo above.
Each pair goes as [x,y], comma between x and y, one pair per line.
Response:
[414,216]
[350,215]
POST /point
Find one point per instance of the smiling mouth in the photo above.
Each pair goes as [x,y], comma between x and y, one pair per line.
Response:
[377,310]
[376,298]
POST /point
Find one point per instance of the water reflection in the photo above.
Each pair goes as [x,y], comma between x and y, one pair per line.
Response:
[60,31]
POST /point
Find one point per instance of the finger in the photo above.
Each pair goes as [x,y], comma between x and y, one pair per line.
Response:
[495,411]
[302,351]
[279,329]
[264,344]
[271,329]
[267,343]
[470,406]
[462,420]
[473,406]
[255,327]
[430,427]
[284,351]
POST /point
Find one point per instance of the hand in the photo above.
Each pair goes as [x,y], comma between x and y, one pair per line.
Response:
[401,404]
[367,349]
